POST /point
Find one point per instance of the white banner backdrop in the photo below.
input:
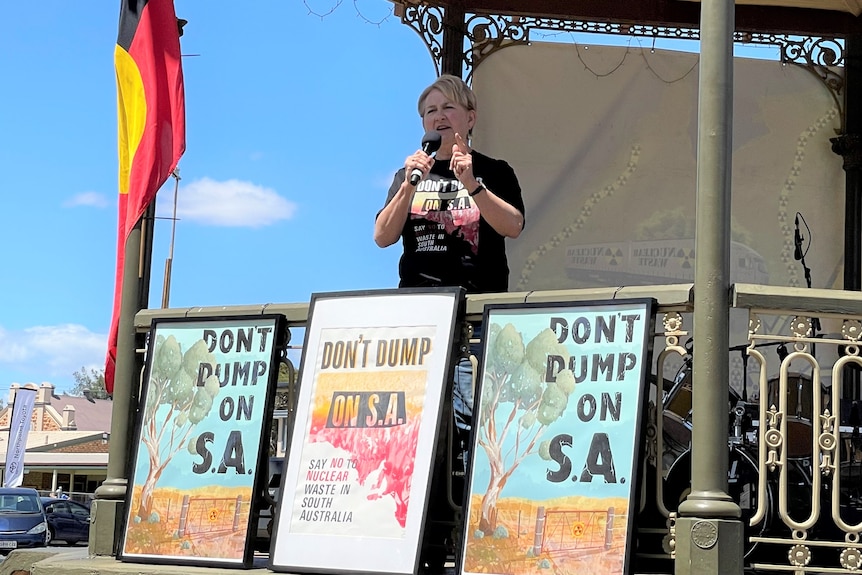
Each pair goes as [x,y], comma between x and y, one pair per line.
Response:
[604,142]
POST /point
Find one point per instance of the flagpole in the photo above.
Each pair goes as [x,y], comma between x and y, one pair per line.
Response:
[108,506]
[166,289]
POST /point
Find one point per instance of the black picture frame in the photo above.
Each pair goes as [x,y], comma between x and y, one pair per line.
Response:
[557,435]
[195,476]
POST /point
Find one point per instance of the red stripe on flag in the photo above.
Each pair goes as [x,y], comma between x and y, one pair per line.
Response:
[151,129]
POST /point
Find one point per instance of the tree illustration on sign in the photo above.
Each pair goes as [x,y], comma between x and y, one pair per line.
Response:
[175,405]
[514,386]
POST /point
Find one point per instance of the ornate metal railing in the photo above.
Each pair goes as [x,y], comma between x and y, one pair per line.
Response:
[794,416]
[794,422]
[806,431]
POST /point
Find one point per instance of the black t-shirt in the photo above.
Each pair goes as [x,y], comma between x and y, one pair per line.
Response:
[446,240]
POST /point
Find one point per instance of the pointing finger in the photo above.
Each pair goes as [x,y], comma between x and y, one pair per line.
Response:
[459,141]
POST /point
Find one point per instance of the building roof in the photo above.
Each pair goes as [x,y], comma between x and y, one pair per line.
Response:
[61,412]
[65,431]
[89,416]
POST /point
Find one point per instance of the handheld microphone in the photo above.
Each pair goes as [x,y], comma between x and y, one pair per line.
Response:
[430,145]
[797,241]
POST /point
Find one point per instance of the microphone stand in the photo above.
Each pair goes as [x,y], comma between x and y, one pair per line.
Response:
[799,254]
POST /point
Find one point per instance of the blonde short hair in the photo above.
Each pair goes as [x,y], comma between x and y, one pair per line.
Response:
[455,90]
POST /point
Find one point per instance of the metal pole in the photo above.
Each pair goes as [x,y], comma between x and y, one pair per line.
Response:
[166,290]
[709,533]
[452,56]
[849,146]
[852,145]
[108,506]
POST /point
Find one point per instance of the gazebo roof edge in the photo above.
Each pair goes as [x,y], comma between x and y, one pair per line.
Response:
[672,13]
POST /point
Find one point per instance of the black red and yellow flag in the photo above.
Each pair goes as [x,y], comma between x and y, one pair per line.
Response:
[151,121]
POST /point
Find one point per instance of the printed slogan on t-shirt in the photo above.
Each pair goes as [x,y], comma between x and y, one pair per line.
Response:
[446,209]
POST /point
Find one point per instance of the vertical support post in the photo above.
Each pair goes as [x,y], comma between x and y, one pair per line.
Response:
[851,150]
[849,146]
[709,532]
[108,506]
[452,57]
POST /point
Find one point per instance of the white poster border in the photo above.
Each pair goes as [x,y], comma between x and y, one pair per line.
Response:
[314,553]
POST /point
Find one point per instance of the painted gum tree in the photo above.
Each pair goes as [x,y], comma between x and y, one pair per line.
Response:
[174,407]
[517,404]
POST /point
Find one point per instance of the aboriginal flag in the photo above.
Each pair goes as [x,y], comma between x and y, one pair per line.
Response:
[151,121]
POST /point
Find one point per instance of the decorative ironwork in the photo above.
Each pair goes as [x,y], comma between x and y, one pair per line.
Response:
[669,542]
[828,443]
[851,329]
[821,57]
[673,325]
[486,34]
[849,147]
[427,21]
[799,555]
[651,433]
[773,439]
[850,559]
[813,480]
[489,33]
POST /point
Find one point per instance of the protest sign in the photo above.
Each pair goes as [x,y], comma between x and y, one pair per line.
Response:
[556,438]
[201,442]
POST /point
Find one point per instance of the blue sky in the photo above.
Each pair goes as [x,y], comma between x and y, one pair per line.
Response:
[298,113]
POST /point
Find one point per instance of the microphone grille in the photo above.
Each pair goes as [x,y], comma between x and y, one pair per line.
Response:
[431,141]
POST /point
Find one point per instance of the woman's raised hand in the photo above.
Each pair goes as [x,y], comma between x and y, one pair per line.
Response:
[461,163]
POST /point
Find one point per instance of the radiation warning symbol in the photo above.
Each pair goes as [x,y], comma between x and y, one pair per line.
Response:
[213,515]
[687,258]
[578,529]
[614,257]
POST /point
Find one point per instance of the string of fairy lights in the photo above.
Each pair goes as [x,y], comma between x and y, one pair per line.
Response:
[333,5]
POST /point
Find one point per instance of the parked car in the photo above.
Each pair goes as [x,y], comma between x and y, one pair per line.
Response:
[68,520]
[22,519]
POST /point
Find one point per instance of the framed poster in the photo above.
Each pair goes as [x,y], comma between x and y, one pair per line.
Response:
[556,437]
[375,369]
[201,441]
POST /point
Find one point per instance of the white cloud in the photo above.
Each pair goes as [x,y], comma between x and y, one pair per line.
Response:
[52,351]
[93,199]
[232,203]
[12,350]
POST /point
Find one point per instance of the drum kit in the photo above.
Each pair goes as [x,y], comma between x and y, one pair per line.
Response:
[743,468]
